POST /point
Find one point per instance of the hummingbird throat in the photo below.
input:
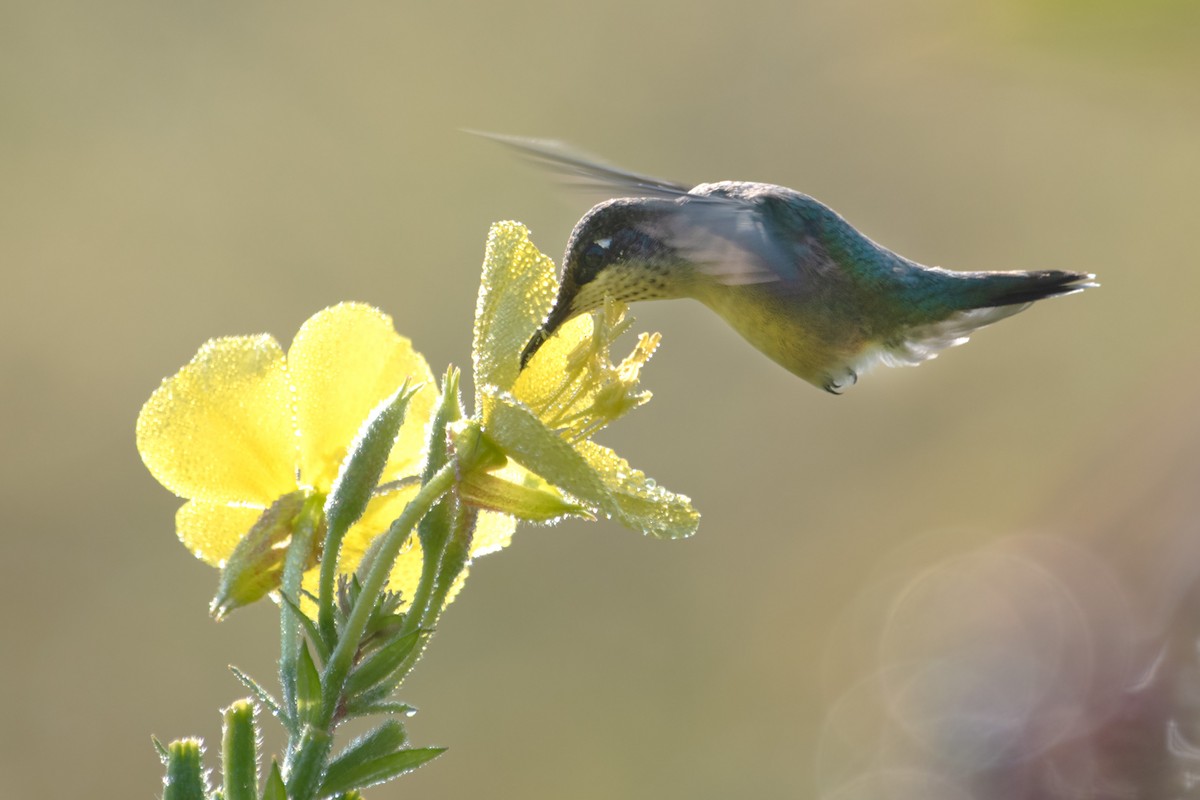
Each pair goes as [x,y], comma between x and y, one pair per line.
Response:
[625,282]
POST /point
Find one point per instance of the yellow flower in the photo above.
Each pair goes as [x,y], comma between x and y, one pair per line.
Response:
[243,427]
[254,439]
[543,417]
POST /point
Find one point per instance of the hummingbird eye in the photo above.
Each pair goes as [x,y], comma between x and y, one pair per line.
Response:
[597,250]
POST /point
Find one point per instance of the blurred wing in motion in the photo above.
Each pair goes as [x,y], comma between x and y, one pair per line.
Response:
[587,170]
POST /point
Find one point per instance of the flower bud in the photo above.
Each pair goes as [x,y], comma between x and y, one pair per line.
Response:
[255,567]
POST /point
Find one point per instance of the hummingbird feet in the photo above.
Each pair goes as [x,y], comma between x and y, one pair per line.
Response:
[837,385]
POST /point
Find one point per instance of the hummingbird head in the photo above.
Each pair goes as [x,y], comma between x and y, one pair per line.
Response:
[617,250]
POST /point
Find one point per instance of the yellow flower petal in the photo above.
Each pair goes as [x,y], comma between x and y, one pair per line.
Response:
[572,384]
[381,511]
[212,530]
[550,383]
[221,429]
[345,361]
[643,505]
[515,295]
[492,532]
[456,587]
[406,572]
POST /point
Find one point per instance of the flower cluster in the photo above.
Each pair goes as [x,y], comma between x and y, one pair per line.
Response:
[254,439]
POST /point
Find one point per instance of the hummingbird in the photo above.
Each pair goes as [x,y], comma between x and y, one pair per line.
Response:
[785,271]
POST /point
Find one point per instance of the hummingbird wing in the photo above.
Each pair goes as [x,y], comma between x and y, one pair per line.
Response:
[733,232]
[720,228]
[586,169]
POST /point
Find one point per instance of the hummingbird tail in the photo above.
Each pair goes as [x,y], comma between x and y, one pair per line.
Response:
[993,289]
[981,299]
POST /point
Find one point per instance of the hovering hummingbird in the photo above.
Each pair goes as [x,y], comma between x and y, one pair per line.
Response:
[787,272]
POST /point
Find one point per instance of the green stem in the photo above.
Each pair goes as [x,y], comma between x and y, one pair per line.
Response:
[298,554]
[313,746]
[439,569]
[343,655]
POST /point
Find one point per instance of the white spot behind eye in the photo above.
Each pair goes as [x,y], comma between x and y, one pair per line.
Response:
[605,242]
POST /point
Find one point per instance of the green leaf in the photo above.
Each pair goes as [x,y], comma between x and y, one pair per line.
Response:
[264,697]
[379,770]
[185,771]
[161,749]
[239,752]
[381,664]
[274,788]
[366,705]
[385,740]
[383,624]
[308,687]
[310,629]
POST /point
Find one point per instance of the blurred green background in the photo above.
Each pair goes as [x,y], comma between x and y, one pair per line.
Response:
[173,172]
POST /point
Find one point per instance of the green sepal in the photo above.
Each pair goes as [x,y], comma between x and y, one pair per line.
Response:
[239,752]
[473,450]
[540,503]
[379,665]
[379,770]
[308,687]
[643,504]
[531,444]
[352,490]
[255,568]
[273,788]
[264,697]
[185,771]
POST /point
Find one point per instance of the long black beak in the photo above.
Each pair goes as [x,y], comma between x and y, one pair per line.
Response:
[535,343]
[559,315]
